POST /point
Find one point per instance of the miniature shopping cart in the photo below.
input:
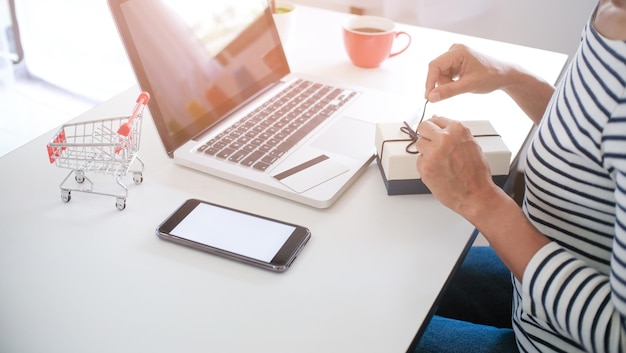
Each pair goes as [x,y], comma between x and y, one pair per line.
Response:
[106,146]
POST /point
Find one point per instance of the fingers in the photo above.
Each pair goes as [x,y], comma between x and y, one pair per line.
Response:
[428,131]
[443,72]
[431,126]
[434,79]
[438,132]
[447,90]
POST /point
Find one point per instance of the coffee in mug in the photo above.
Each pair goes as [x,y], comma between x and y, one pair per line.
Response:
[369,40]
[368,30]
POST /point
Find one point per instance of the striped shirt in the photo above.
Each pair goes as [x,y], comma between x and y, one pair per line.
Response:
[573,296]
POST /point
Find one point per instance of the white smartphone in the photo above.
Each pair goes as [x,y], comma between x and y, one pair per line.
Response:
[253,239]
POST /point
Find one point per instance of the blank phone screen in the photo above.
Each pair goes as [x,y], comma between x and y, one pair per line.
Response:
[236,232]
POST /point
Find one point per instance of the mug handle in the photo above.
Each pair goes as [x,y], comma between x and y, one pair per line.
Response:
[405,47]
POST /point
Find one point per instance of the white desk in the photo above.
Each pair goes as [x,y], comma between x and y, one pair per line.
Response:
[85,277]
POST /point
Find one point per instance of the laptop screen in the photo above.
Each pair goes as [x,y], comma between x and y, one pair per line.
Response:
[198,59]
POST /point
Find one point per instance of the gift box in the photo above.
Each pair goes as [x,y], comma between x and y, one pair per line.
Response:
[397,156]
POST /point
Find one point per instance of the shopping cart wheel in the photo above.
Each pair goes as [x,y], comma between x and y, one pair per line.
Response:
[80,176]
[120,203]
[66,195]
[137,178]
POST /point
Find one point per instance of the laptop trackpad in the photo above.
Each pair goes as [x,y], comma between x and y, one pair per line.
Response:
[347,137]
[311,173]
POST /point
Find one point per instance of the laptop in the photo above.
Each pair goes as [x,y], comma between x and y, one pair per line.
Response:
[217,75]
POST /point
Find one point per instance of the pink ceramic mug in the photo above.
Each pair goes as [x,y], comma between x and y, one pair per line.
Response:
[369,40]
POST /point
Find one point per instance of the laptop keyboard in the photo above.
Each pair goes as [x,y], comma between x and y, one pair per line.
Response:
[270,131]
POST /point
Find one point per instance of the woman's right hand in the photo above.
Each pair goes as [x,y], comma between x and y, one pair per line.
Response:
[463,70]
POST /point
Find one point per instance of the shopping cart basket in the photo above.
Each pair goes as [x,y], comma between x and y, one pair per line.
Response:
[106,146]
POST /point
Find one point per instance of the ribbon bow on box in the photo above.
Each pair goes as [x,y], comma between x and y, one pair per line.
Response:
[413,135]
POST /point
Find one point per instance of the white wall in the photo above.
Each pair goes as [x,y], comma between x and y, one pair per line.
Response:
[74,43]
[547,24]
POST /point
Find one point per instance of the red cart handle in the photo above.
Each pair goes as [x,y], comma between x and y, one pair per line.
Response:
[142,100]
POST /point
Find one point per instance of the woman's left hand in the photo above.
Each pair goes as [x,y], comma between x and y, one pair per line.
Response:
[453,166]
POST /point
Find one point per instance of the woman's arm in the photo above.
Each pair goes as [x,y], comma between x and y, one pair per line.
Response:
[456,172]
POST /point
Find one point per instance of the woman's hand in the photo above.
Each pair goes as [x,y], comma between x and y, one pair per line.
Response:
[453,166]
[463,70]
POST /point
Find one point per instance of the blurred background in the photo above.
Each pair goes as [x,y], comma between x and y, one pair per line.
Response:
[60,58]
